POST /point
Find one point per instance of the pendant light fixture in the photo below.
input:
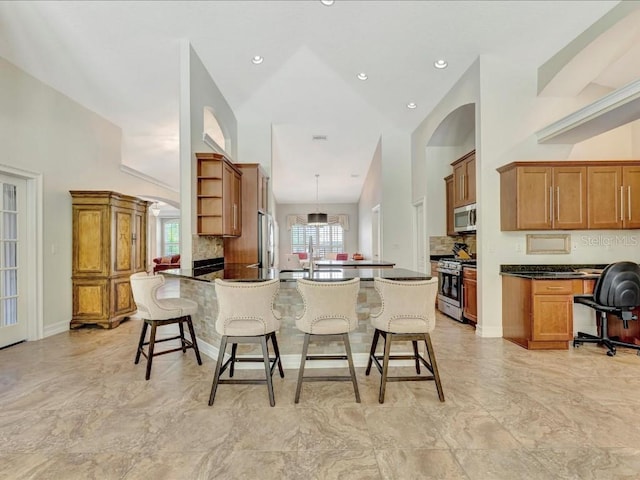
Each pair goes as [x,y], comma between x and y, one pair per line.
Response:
[317,218]
[155,209]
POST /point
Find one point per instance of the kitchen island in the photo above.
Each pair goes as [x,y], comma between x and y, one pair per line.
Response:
[200,288]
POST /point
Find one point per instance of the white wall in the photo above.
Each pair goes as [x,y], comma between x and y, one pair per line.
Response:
[350,237]
[370,196]
[47,133]
[197,91]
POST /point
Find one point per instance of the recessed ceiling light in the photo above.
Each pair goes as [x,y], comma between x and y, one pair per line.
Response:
[327,3]
[257,60]
[362,76]
[411,105]
[440,64]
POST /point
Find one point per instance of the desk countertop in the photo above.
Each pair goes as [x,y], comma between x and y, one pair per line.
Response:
[553,272]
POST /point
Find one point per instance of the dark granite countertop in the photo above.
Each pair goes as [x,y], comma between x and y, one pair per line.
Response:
[553,272]
[240,272]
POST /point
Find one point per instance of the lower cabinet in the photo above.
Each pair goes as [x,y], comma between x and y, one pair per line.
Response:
[470,295]
[538,314]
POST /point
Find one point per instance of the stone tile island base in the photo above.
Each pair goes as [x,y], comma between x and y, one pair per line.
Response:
[289,303]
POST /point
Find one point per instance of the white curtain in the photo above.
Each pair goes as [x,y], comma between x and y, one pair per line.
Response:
[298,219]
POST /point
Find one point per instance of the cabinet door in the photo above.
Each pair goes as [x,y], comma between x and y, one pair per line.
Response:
[470,298]
[122,240]
[552,317]
[631,196]
[470,180]
[459,174]
[237,202]
[605,192]
[90,241]
[228,199]
[140,240]
[569,203]
[533,198]
[449,204]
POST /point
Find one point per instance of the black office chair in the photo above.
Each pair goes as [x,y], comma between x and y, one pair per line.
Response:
[617,292]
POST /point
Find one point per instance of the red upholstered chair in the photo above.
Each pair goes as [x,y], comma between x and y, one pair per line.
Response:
[303,255]
[342,256]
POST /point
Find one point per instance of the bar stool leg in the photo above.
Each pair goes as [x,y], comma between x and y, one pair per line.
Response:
[267,370]
[415,353]
[385,366]
[216,374]
[352,370]
[277,352]
[152,343]
[374,344]
[303,359]
[234,349]
[141,342]
[434,366]
[181,327]
[194,342]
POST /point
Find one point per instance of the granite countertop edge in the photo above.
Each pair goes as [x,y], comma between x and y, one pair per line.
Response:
[248,274]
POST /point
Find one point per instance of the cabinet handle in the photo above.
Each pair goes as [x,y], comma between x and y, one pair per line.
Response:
[629,202]
[550,204]
[558,203]
[621,203]
[555,288]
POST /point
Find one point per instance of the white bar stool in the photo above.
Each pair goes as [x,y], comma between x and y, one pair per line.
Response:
[408,314]
[157,312]
[246,315]
[329,314]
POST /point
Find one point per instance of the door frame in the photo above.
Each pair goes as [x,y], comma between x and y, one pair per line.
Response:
[420,235]
[34,243]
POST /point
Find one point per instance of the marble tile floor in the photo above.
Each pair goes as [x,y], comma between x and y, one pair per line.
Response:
[74,406]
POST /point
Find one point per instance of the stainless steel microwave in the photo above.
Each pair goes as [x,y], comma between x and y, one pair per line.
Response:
[464,219]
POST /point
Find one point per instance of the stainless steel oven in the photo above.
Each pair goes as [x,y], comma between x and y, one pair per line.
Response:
[450,288]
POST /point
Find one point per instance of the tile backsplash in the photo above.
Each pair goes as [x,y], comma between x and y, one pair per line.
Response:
[207,247]
[444,245]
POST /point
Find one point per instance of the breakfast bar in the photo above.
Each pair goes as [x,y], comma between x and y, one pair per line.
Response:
[288,303]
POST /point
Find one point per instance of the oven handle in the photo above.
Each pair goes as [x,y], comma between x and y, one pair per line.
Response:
[450,272]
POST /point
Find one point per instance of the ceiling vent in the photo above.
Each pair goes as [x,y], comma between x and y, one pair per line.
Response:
[318,137]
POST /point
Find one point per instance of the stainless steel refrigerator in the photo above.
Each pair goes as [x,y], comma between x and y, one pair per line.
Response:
[266,240]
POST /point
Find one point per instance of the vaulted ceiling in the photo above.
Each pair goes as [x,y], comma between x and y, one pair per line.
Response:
[121,60]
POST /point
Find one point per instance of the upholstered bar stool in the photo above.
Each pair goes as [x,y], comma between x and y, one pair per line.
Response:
[157,312]
[246,315]
[407,314]
[329,313]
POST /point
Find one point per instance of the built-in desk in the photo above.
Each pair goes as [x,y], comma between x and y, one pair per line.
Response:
[538,308]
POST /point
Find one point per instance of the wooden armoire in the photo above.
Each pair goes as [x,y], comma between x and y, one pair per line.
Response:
[109,245]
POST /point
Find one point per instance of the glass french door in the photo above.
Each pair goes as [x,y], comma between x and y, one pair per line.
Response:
[13,321]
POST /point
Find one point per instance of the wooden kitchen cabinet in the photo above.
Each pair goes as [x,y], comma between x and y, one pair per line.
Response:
[434,273]
[449,205]
[255,184]
[219,194]
[470,295]
[464,180]
[109,244]
[614,196]
[538,314]
[543,196]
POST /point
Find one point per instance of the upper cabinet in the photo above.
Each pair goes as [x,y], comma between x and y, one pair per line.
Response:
[614,199]
[536,196]
[464,180]
[219,192]
[569,195]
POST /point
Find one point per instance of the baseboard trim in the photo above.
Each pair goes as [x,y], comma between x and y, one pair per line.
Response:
[55,329]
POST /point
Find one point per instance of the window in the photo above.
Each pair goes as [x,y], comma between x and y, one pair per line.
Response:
[170,236]
[326,238]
